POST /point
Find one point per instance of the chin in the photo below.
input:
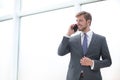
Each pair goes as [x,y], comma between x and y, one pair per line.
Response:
[80,29]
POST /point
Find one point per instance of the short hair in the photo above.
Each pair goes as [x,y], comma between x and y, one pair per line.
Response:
[86,15]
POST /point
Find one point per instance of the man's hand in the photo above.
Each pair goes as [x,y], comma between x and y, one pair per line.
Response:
[85,61]
[70,30]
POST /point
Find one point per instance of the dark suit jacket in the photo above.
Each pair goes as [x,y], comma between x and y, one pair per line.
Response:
[97,49]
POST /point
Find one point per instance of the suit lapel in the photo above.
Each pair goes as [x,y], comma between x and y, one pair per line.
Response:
[79,44]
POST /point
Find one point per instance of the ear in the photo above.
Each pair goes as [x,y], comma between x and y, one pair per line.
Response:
[89,22]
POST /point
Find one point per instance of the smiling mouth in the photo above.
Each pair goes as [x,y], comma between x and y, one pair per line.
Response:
[79,25]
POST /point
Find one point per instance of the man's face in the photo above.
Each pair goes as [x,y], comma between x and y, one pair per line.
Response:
[82,23]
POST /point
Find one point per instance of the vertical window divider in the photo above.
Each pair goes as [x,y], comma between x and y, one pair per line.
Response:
[16,21]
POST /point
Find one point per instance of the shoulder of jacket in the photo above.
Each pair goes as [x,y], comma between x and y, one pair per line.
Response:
[98,35]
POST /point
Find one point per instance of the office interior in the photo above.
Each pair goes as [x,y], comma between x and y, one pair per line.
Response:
[31,30]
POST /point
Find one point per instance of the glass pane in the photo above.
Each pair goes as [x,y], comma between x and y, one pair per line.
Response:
[6,7]
[106,15]
[29,5]
[40,36]
[7,51]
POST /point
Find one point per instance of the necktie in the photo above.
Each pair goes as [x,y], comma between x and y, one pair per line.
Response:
[85,43]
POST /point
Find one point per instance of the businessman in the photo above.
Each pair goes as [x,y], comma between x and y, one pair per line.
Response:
[88,51]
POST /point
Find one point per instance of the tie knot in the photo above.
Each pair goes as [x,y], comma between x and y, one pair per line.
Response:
[85,35]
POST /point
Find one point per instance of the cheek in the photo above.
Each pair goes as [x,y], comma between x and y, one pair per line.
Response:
[80,27]
[84,24]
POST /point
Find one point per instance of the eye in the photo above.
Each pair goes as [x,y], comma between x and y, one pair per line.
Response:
[80,20]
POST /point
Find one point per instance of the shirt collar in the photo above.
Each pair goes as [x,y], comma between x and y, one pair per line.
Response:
[89,33]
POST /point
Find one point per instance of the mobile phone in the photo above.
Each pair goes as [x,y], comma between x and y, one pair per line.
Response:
[75,27]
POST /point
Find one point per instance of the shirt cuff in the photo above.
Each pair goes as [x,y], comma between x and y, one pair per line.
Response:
[92,67]
[67,36]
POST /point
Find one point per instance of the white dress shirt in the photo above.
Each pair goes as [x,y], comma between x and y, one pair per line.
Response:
[89,37]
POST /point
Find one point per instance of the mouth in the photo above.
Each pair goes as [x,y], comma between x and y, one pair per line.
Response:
[79,25]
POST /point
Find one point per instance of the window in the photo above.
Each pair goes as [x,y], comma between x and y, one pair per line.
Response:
[40,35]
[7,52]
[6,7]
[38,4]
[29,36]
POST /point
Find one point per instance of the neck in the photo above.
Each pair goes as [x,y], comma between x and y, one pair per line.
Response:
[86,30]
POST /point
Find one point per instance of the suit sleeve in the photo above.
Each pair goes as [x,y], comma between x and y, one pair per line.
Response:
[106,58]
[64,46]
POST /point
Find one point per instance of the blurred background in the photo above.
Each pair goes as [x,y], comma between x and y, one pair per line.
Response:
[31,30]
